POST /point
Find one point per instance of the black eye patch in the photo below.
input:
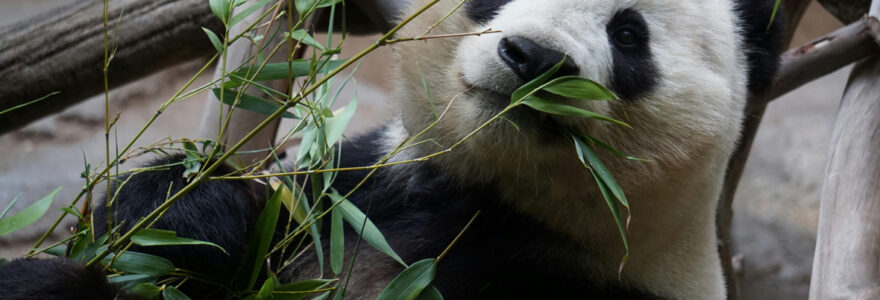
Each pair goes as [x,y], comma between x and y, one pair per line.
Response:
[635,72]
[482,11]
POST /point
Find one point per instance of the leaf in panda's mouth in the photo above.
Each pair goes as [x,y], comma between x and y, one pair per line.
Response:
[575,87]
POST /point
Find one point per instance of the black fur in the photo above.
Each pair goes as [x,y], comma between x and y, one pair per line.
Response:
[56,278]
[635,72]
[222,212]
[482,11]
[762,40]
[504,255]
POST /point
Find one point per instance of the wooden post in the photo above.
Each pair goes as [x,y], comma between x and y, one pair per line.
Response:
[847,260]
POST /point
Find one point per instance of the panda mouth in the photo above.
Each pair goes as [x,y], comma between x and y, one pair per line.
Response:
[526,118]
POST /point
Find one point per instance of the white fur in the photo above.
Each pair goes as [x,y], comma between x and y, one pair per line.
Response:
[687,127]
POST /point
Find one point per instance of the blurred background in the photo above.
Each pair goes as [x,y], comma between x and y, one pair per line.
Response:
[776,207]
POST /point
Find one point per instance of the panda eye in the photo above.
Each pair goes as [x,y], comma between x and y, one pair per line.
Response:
[625,38]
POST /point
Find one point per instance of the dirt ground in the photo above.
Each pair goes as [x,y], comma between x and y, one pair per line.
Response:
[777,202]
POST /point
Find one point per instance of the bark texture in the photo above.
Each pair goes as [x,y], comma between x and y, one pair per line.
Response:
[64,51]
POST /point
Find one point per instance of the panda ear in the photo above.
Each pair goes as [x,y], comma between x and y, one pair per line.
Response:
[762,40]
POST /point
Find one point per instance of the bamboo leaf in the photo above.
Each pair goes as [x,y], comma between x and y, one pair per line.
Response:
[304,37]
[773,15]
[258,243]
[303,6]
[276,71]
[247,11]
[589,156]
[594,141]
[140,263]
[129,281]
[251,103]
[158,237]
[325,3]
[214,40]
[337,241]
[335,126]
[618,218]
[193,161]
[220,8]
[558,108]
[267,288]
[172,293]
[533,86]
[410,283]
[430,293]
[27,216]
[371,234]
[299,290]
[577,87]
[146,290]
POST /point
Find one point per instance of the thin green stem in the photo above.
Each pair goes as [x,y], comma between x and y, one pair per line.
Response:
[204,175]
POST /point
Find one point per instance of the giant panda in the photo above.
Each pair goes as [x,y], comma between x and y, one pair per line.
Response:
[683,70]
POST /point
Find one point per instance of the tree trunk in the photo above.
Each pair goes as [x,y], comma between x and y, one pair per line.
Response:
[64,51]
[848,245]
[793,10]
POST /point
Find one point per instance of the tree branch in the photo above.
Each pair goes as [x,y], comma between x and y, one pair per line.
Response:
[64,51]
[793,10]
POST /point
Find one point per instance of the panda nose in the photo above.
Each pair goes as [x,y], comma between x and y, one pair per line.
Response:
[530,60]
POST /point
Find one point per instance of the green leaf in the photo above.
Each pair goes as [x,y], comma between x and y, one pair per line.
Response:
[608,187]
[220,8]
[533,86]
[140,263]
[410,283]
[251,103]
[267,288]
[594,141]
[304,37]
[337,242]
[430,293]
[371,234]
[158,237]
[276,71]
[214,40]
[258,243]
[773,15]
[172,293]
[335,126]
[299,290]
[8,207]
[618,218]
[146,290]
[557,108]
[588,156]
[303,6]
[27,216]
[129,281]
[577,87]
[247,11]
[193,161]
[325,3]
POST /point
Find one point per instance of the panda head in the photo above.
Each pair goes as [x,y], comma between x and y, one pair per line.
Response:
[683,70]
